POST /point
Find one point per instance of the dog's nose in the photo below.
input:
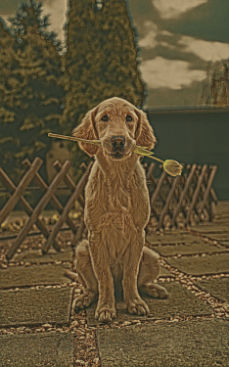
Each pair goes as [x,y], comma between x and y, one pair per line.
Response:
[118,142]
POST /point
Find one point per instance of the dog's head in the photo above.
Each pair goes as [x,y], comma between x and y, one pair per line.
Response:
[119,126]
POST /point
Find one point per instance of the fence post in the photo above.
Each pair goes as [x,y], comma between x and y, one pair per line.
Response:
[25,205]
[187,183]
[40,206]
[53,200]
[156,192]
[67,208]
[196,193]
[67,179]
[210,180]
[20,189]
[164,211]
[72,187]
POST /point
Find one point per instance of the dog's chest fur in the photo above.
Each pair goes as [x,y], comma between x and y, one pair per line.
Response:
[117,209]
[117,201]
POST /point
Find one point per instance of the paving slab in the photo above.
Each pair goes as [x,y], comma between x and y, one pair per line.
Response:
[35,306]
[218,236]
[184,344]
[218,288]
[181,302]
[223,221]
[222,205]
[171,237]
[19,276]
[224,212]
[30,350]
[187,248]
[210,227]
[36,256]
[165,272]
[209,264]
[225,243]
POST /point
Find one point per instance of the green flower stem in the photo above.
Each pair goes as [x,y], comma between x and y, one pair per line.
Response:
[157,159]
[97,142]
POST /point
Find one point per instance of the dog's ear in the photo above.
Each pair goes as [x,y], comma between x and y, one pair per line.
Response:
[144,134]
[86,130]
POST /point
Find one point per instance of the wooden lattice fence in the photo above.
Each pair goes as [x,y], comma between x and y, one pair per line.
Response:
[183,200]
[175,202]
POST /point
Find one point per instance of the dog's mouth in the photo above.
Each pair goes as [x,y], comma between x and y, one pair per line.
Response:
[119,155]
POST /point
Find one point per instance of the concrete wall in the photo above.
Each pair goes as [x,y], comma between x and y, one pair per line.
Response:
[195,136]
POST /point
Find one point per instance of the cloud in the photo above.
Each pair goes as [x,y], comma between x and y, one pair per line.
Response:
[5,18]
[149,41]
[57,10]
[206,50]
[173,8]
[166,33]
[167,45]
[173,74]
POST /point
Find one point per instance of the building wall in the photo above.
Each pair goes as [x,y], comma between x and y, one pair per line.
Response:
[198,136]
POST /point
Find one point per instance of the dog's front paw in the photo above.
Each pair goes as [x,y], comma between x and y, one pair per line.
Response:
[105,313]
[83,300]
[137,306]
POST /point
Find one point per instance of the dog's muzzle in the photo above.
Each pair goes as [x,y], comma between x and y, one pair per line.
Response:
[118,143]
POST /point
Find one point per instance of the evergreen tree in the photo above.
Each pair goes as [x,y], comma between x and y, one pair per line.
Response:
[117,42]
[220,86]
[6,41]
[78,61]
[216,88]
[30,89]
[101,59]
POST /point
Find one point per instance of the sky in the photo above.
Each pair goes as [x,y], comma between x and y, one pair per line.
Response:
[180,41]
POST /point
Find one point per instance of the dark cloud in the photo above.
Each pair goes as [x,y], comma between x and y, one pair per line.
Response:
[9,6]
[208,21]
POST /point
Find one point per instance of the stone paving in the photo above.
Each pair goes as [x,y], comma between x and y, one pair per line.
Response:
[35,306]
[191,343]
[47,349]
[190,328]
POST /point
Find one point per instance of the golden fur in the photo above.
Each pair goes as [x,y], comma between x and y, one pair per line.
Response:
[117,210]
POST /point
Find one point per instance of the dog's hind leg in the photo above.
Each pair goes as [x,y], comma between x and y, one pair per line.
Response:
[148,272]
[86,276]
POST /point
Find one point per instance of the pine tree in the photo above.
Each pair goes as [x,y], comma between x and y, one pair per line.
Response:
[101,59]
[216,89]
[6,41]
[117,42]
[220,86]
[31,91]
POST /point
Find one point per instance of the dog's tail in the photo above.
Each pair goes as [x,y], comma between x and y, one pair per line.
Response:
[70,274]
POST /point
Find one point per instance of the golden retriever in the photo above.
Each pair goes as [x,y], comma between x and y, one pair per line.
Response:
[117,210]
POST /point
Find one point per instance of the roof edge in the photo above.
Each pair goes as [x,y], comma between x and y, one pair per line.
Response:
[193,109]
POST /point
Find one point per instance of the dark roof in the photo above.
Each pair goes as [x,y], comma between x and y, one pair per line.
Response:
[204,109]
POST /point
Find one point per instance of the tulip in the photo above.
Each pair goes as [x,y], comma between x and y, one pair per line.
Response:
[173,168]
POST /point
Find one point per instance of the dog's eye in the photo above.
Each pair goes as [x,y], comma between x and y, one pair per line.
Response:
[128,118]
[104,118]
